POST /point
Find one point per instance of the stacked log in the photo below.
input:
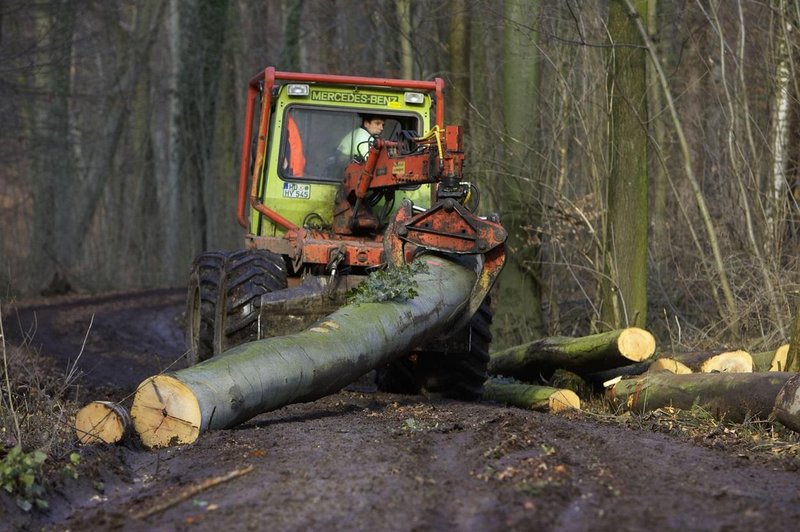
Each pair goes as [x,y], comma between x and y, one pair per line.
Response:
[531,397]
[771,360]
[589,354]
[737,361]
[735,396]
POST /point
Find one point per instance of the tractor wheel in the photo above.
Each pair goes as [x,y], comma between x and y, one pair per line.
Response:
[458,373]
[247,275]
[201,303]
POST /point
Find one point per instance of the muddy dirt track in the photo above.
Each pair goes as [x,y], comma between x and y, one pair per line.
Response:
[375,461]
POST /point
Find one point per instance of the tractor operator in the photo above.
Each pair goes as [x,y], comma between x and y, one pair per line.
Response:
[357,142]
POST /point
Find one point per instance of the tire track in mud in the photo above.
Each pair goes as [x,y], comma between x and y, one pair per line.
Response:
[129,336]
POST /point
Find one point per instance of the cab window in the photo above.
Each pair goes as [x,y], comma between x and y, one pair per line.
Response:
[312,140]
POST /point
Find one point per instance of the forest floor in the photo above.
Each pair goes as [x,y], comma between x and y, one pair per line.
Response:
[361,460]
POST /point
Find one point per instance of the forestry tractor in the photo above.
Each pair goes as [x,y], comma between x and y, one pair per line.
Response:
[325,205]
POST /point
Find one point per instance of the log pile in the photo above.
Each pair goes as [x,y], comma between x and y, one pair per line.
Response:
[253,378]
[733,384]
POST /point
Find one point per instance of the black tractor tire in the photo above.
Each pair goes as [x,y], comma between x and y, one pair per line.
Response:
[247,275]
[201,304]
[455,372]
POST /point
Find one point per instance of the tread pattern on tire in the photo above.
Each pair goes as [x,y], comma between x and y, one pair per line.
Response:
[201,303]
[248,274]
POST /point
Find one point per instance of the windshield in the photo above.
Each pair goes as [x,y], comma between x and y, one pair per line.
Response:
[317,144]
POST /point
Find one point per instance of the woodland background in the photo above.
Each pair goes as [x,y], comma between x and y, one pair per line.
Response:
[644,154]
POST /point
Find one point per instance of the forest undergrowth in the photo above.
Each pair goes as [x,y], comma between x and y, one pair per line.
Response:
[38,448]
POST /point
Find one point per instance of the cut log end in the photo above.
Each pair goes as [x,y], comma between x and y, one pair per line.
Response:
[636,344]
[729,362]
[102,421]
[668,365]
[778,362]
[564,400]
[165,412]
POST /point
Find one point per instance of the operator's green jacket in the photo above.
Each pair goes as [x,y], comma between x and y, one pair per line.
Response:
[356,142]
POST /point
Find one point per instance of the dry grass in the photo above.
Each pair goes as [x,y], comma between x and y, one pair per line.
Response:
[35,411]
[753,439]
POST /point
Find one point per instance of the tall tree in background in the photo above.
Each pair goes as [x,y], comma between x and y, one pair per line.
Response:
[202,65]
[290,58]
[458,42]
[624,283]
[518,197]
[165,135]
[47,128]
[403,8]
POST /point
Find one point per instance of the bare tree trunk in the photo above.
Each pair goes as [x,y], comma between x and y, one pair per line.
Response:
[655,101]
[729,310]
[290,58]
[779,119]
[624,283]
[54,181]
[520,316]
[164,132]
[459,62]
[403,8]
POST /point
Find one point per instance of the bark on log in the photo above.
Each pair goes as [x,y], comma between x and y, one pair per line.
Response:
[732,395]
[589,354]
[623,371]
[102,421]
[540,398]
[771,360]
[704,362]
[260,376]
[787,403]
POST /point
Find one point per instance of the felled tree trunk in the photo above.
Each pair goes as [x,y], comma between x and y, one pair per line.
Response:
[102,421]
[771,360]
[732,395]
[540,398]
[787,404]
[704,362]
[588,354]
[265,375]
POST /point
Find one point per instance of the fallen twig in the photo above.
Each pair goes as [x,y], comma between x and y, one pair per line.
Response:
[191,491]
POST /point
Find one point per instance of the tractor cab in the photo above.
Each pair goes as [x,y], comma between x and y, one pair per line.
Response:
[308,141]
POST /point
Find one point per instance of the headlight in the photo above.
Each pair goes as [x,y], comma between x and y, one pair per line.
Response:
[414,98]
[296,89]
